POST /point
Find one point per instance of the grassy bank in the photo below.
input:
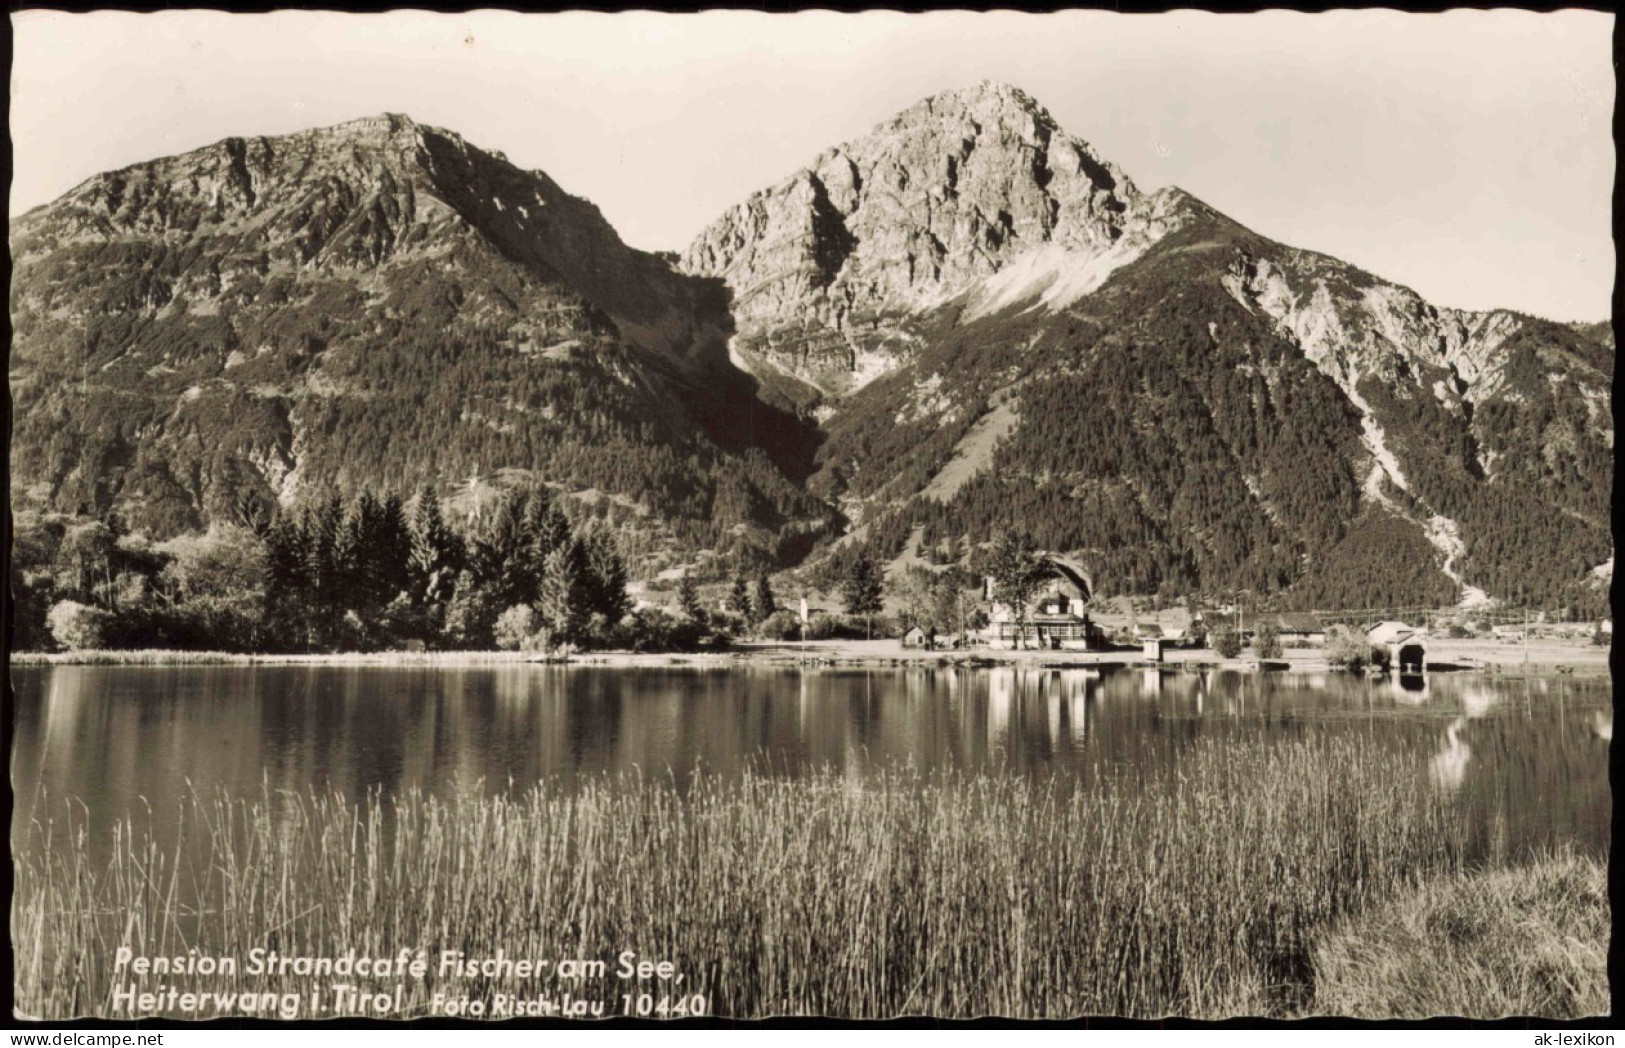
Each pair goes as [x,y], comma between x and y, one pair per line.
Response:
[1581,659]
[166,657]
[1195,893]
[1526,941]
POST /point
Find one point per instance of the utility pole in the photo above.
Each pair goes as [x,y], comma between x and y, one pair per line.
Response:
[1526,634]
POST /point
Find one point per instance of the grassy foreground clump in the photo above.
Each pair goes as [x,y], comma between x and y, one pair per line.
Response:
[1526,941]
[1198,892]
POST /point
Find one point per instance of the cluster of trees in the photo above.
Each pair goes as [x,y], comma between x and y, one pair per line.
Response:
[85,583]
[946,600]
[1383,560]
[375,572]
[371,575]
[1348,649]
[752,608]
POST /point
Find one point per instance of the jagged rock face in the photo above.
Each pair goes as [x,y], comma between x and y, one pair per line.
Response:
[1470,369]
[376,303]
[1353,325]
[1359,329]
[828,267]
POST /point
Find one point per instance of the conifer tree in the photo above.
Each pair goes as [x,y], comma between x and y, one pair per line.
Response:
[390,548]
[606,578]
[764,604]
[324,587]
[505,560]
[562,603]
[347,579]
[688,598]
[863,588]
[287,590]
[550,527]
[739,598]
[436,553]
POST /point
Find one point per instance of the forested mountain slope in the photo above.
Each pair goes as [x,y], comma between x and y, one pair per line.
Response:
[378,304]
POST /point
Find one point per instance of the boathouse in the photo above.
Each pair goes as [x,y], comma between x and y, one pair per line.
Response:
[1406,645]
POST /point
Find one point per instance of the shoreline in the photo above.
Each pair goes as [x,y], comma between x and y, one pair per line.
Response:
[1448,656]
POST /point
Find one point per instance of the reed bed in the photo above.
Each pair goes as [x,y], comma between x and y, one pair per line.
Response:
[1194,893]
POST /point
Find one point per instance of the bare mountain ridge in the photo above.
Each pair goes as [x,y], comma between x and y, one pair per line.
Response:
[358,194]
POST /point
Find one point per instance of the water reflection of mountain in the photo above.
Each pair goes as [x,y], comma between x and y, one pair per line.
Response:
[1525,751]
[1448,768]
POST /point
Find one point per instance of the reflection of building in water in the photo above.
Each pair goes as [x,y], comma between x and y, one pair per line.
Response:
[1602,725]
[1001,692]
[1450,763]
[1410,690]
[1151,682]
[1070,689]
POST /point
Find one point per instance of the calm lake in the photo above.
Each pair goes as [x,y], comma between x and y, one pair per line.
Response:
[1525,759]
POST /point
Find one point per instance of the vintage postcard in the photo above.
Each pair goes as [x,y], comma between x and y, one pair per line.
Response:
[532,517]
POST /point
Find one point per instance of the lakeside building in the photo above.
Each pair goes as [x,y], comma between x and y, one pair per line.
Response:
[917,637]
[1406,645]
[1057,618]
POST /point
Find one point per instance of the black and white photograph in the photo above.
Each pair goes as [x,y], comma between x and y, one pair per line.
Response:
[525,517]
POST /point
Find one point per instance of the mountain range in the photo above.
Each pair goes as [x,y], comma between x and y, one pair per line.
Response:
[963,322]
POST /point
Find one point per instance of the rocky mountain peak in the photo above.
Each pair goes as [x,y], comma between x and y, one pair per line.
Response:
[930,204]
[989,103]
[1133,373]
[380,128]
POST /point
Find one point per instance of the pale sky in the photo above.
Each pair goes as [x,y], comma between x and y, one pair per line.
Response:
[1467,154]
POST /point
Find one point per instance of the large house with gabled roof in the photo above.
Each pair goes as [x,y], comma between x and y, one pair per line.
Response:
[1056,619]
